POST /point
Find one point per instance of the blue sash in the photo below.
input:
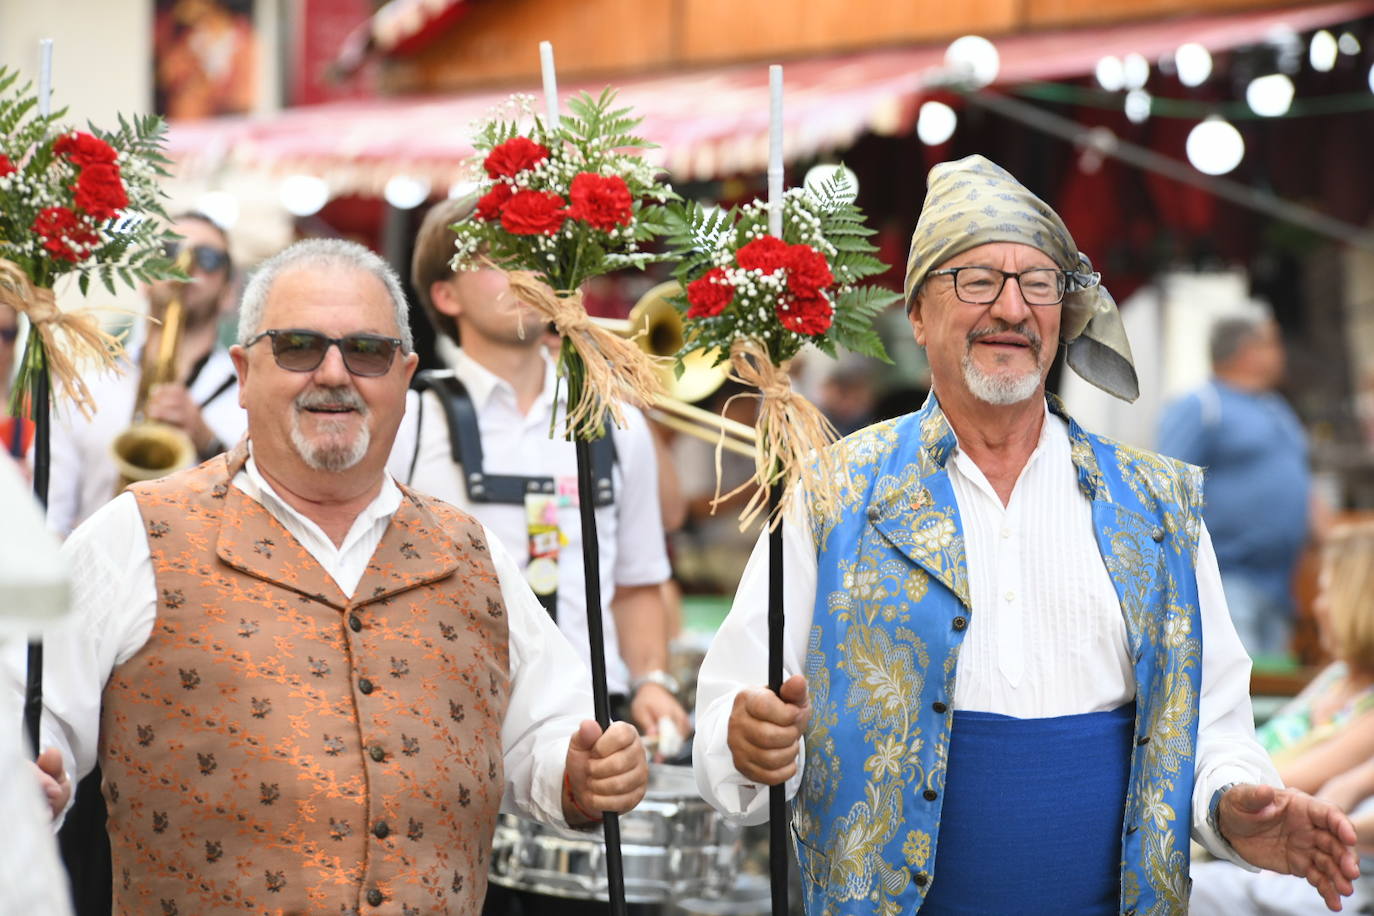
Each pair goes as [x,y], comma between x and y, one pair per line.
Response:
[1032,817]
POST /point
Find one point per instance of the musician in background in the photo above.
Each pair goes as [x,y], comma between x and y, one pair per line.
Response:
[203,402]
[501,401]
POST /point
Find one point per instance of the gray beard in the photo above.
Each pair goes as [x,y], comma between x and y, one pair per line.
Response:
[999,390]
[332,456]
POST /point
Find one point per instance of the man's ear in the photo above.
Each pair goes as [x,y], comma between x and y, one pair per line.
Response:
[445,298]
[240,358]
[913,315]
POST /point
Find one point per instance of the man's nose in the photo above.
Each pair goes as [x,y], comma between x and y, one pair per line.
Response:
[331,370]
[1010,305]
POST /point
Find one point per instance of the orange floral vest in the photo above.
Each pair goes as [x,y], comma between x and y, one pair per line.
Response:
[277,747]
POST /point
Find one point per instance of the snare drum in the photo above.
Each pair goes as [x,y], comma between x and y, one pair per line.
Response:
[673,845]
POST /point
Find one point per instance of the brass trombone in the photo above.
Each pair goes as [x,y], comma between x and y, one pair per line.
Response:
[656,328]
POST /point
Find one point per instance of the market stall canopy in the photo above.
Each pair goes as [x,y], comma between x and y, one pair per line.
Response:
[707,123]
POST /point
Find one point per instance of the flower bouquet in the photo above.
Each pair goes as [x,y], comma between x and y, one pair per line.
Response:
[756,299]
[559,204]
[73,202]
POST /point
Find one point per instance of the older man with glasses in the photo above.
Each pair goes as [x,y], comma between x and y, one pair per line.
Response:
[1007,647]
[311,689]
[201,401]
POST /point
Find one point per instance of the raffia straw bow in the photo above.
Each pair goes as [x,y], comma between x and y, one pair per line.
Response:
[616,369]
[68,339]
[793,439]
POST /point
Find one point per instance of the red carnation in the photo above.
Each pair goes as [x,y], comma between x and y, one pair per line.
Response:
[514,156]
[6,167]
[806,315]
[100,192]
[767,254]
[807,271]
[65,235]
[602,203]
[709,294]
[489,207]
[533,213]
[83,149]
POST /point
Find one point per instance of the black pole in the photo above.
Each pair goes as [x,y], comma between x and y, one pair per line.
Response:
[596,641]
[777,795]
[33,683]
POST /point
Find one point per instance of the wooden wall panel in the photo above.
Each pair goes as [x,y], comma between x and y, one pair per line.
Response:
[721,30]
[499,43]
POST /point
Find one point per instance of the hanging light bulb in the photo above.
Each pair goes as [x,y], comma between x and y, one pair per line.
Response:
[1110,73]
[1270,96]
[462,188]
[1321,53]
[303,195]
[975,59]
[1348,44]
[1194,63]
[1215,147]
[220,206]
[1135,70]
[1138,103]
[1371,79]
[936,122]
[406,192]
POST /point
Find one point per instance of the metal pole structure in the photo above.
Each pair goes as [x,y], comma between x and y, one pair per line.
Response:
[777,795]
[610,822]
[1108,144]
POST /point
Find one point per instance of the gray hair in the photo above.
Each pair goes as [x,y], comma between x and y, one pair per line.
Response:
[1233,332]
[326,253]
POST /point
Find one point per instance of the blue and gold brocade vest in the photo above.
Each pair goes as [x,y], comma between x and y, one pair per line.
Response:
[892,608]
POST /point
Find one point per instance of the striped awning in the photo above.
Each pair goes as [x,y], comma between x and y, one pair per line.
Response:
[707,123]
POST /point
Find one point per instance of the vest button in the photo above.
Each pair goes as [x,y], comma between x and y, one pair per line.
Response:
[364,686]
[355,623]
[922,879]
[874,513]
[380,830]
[939,707]
[930,795]
[960,623]
[1143,740]
[376,753]
[374,897]
[1157,534]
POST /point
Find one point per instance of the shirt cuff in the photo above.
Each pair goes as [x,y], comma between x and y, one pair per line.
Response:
[1208,791]
[741,801]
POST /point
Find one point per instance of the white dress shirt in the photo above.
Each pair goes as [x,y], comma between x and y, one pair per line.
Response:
[630,538]
[82,472]
[1047,637]
[115,607]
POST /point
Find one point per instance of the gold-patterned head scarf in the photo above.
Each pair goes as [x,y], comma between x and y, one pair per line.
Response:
[973,201]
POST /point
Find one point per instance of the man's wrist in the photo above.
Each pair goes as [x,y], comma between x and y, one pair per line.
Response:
[1214,812]
[656,676]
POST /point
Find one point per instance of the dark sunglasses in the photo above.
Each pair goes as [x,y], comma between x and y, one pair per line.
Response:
[302,351]
[207,257]
[9,335]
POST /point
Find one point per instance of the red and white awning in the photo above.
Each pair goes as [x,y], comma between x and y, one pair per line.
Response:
[707,123]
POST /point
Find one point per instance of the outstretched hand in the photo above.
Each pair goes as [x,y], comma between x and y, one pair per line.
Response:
[604,771]
[764,734]
[1290,832]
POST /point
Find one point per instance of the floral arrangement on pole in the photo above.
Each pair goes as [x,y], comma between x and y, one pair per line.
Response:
[73,202]
[756,300]
[556,206]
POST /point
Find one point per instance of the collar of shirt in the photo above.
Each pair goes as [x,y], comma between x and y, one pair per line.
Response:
[483,384]
[346,562]
[1053,434]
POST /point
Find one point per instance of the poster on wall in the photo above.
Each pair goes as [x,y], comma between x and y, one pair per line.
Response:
[204,58]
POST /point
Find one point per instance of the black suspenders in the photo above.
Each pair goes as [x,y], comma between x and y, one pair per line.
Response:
[465,439]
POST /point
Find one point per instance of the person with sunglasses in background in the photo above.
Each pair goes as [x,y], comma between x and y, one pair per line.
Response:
[311,689]
[202,402]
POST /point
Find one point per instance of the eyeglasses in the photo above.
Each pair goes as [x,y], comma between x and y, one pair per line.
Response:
[207,257]
[9,335]
[368,355]
[982,285]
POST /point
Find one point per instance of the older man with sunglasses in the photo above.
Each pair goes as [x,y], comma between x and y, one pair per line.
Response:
[1007,646]
[310,689]
[201,402]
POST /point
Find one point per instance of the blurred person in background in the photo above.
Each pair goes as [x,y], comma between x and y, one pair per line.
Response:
[849,395]
[1322,741]
[16,433]
[1256,481]
[203,402]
